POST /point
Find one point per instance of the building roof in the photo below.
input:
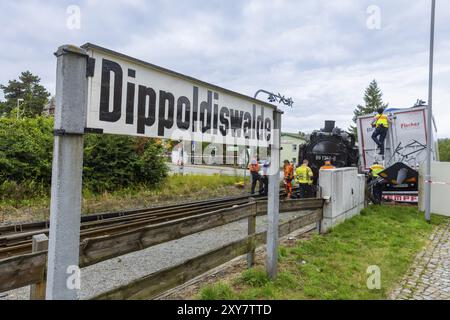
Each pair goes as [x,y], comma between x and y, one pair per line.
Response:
[293,135]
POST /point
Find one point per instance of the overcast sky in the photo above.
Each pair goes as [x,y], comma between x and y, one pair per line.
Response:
[322,53]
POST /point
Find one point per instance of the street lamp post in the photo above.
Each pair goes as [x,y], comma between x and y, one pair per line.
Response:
[272,98]
[273,200]
[429,118]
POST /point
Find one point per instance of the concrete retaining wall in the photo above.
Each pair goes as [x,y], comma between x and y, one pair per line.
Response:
[343,190]
[440,189]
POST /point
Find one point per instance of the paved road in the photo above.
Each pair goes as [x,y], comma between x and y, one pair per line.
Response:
[429,276]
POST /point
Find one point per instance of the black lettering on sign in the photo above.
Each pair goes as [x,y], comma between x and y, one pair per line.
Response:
[267,125]
[183,103]
[247,124]
[130,103]
[131,88]
[165,122]
[224,120]
[260,125]
[215,113]
[109,66]
[195,109]
[206,116]
[236,121]
[206,113]
[146,115]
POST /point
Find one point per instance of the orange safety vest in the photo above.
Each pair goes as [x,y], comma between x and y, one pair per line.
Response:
[327,167]
[288,172]
[254,168]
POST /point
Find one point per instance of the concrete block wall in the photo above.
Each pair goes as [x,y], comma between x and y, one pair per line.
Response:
[440,189]
[344,191]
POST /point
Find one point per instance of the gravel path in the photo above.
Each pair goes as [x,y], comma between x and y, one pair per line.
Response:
[112,273]
[429,276]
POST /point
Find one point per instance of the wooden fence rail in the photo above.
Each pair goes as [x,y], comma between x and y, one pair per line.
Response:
[28,269]
[156,283]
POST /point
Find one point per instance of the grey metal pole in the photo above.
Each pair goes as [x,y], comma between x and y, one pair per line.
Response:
[273,203]
[429,118]
[65,206]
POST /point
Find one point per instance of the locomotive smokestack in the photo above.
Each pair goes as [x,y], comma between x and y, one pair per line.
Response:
[329,125]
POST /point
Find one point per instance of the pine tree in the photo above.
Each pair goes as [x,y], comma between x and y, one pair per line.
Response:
[373,99]
[28,88]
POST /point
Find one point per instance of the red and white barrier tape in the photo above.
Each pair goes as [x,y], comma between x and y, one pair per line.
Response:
[438,182]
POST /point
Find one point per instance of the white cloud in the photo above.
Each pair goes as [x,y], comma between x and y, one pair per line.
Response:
[318,52]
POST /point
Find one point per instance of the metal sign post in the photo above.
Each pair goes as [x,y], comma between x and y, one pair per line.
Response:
[429,117]
[128,96]
[273,203]
[65,206]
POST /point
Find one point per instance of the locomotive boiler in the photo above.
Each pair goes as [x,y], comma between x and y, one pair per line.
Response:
[330,143]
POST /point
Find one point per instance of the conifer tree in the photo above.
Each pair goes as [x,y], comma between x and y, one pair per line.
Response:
[373,99]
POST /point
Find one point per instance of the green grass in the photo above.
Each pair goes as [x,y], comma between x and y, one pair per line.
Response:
[173,190]
[334,266]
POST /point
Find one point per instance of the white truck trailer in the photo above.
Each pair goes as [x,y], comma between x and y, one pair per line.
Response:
[405,150]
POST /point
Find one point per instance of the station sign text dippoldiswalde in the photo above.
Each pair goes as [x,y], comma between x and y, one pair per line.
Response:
[128,96]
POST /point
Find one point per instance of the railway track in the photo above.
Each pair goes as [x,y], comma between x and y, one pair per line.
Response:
[17,239]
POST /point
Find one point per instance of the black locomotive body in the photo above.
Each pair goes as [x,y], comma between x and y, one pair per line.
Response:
[329,143]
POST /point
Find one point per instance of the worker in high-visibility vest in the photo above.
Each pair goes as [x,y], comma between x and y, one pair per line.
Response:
[327,165]
[254,173]
[375,169]
[288,170]
[304,178]
[381,124]
[377,186]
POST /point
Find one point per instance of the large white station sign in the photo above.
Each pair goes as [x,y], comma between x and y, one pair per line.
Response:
[132,97]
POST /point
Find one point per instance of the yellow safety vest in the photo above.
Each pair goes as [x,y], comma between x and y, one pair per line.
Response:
[376,169]
[304,175]
[381,120]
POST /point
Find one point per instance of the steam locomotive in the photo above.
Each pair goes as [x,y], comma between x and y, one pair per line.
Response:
[330,143]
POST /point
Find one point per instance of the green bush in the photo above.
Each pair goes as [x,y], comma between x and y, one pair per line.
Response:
[444,150]
[26,150]
[110,162]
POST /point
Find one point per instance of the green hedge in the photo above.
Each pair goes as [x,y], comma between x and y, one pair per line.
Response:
[110,162]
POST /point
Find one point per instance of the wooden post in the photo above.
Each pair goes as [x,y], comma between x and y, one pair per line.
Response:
[319,226]
[252,232]
[37,291]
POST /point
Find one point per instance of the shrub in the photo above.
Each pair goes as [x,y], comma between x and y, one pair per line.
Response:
[26,150]
[110,162]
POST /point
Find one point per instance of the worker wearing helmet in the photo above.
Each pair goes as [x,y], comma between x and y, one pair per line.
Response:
[254,173]
[327,165]
[288,177]
[377,186]
[304,177]
[375,169]
[381,124]
[264,178]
